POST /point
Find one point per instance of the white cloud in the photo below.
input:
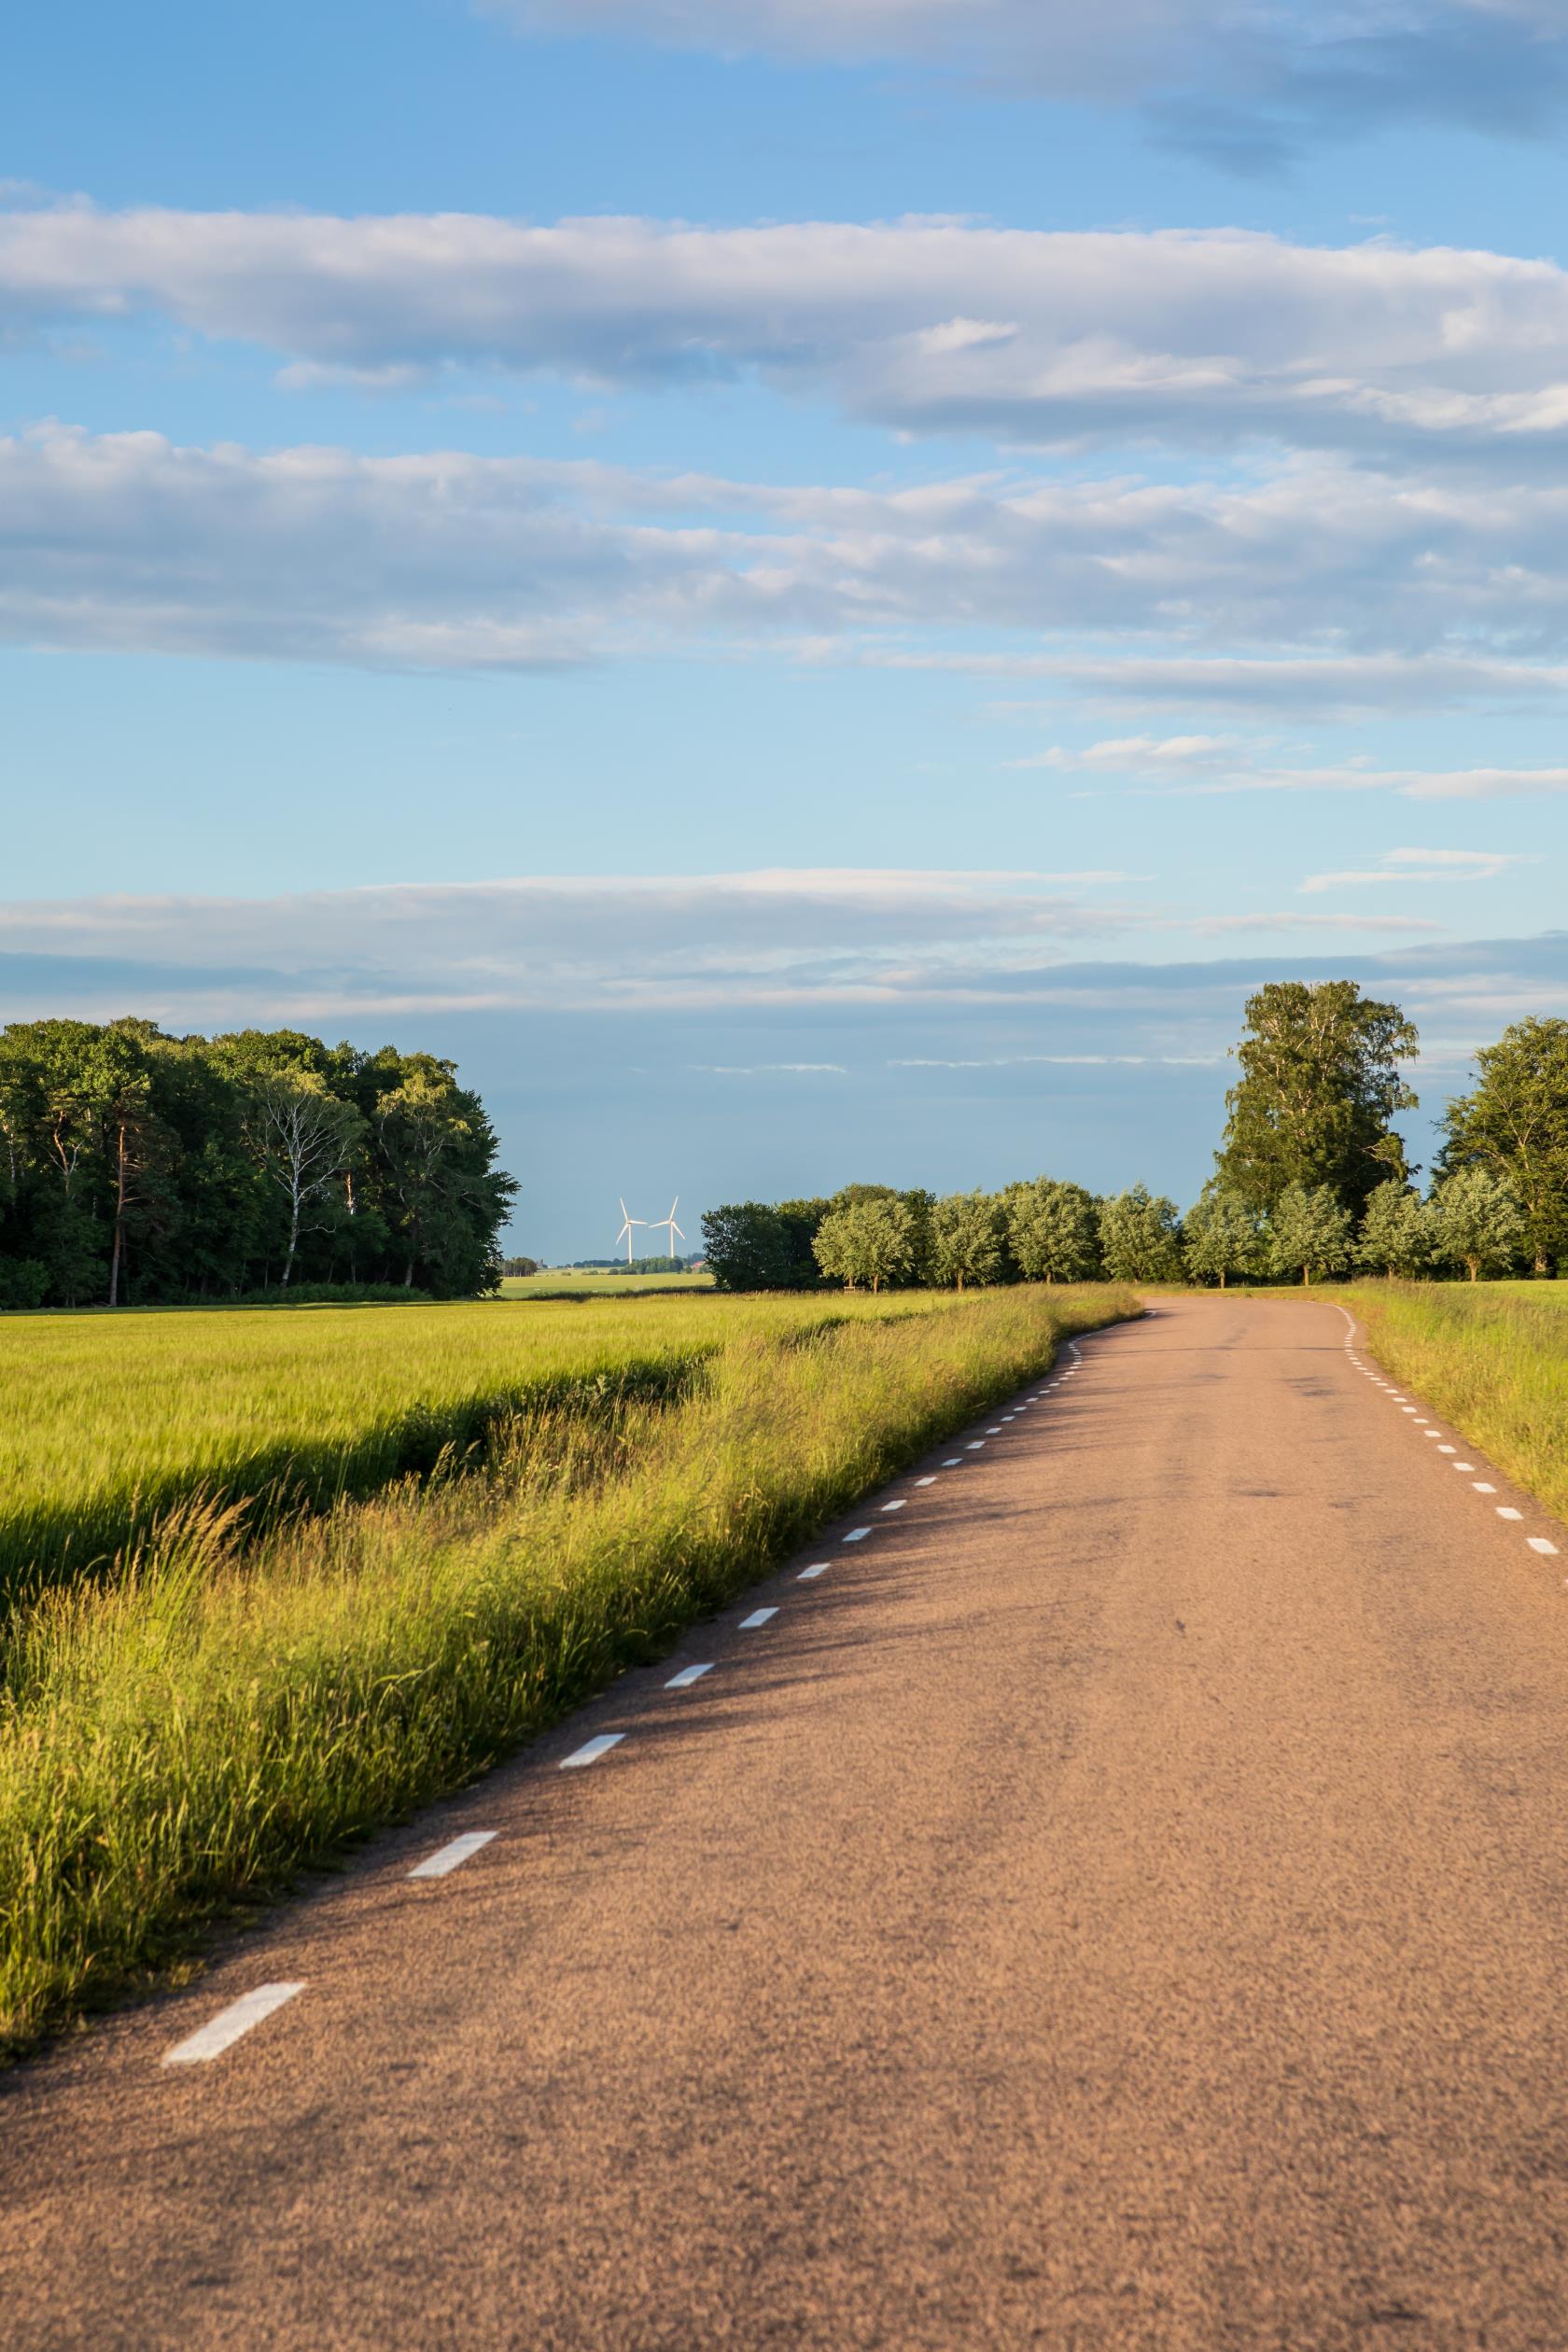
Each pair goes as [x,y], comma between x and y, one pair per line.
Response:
[924,324]
[131,542]
[1228,763]
[1426,866]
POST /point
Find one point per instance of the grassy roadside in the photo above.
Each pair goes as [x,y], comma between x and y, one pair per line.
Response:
[187,1739]
[1494,1360]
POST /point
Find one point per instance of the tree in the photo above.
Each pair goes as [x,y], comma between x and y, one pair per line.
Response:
[436,1164]
[1398,1231]
[1053,1231]
[746,1246]
[1480,1223]
[871,1242]
[1516,1124]
[1220,1237]
[1310,1232]
[1141,1237]
[1320,1085]
[968,1239]
[302,1138]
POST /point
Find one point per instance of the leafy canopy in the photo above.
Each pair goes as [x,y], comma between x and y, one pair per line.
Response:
[1319,1086]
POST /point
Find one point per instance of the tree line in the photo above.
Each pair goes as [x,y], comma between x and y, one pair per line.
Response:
[1311,1181]
[137,1169]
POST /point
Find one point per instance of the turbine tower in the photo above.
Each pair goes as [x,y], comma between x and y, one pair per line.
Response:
[625,1232]
[660,1223]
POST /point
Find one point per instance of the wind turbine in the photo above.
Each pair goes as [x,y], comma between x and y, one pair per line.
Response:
[625,1232]
[660,1223]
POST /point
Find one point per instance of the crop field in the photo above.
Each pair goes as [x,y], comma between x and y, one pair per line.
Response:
[111,1419]
[237,1702]
[561,1283]
[1492,1357]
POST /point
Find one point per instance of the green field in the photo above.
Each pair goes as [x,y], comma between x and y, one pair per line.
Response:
[183,1737]
[559,1283]
[1492,1357]
[110,1419]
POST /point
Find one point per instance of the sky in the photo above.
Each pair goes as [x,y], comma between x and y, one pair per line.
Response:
[814,590]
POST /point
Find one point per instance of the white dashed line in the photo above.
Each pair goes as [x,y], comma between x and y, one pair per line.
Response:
[817,1568]
[687,1676]
[857,1535]
[954,1462]
[931,1481]
[1506,1511]
[757,1617]
[1482,1488]
[447,1857]
[1542,1543]
[1407,1408]
[993,1431]
[897,1506]
[221,2032]
[1433,1434]
[975,1444]
[1448,1448]
[595,1749]
[1465,1466]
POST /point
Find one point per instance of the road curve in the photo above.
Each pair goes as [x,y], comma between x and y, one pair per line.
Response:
[1119,1902]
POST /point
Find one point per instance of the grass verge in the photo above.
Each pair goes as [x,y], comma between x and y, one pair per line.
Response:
[1493,1358]
[187,1739]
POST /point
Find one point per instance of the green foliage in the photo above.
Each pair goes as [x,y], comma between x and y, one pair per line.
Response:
[1311,1232]
[190,1738]
[1320,1085]
[1481,1224]
[968,1240]
[747,1246]
[1141,1237]
[1053,1231]
[868,1243]
[1222,1237]
[519,1268]
[136,1166]
[1398,1231]
[1515,1125]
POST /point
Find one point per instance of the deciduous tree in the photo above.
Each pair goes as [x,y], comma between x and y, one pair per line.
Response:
[1398,1231]
[1516,1124]
[1481,1224]
[1141,1236]
[1319,1088]
[1053,1231]
[871,1242]
[1222,1237]
[1310,1232]
[968,1240]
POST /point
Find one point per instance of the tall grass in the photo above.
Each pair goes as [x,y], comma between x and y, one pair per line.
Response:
[1493,1359]
[189,1737]
[109,1421]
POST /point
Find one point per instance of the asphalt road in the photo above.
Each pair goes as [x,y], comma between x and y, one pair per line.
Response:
[1120,1902]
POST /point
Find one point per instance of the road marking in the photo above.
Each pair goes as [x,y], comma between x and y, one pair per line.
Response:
[1408,1408]
[1542,1543]
[1465,1466]
[954,1462]
[221,2032]
[687,1676]
[975,1444]
[1432,1432]
[1420,1420]
[757,1617]
[894,1506]
[595,1749]
[1482,1488]
[993,1431]
[1449,1449]
[447,1857]
[817,1568]
[931,1481]
[1506,1511]
[857,1535]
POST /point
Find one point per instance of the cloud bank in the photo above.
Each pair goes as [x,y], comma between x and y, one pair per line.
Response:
[924,325]
[1246,83]
[132,542]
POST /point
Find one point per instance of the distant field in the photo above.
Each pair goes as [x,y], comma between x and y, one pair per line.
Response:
[560,1284]
[1492,1357]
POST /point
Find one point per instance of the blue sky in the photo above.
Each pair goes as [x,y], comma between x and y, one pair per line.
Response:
[812,591]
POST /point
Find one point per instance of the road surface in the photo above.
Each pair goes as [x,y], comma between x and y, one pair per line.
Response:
[1122,1900]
